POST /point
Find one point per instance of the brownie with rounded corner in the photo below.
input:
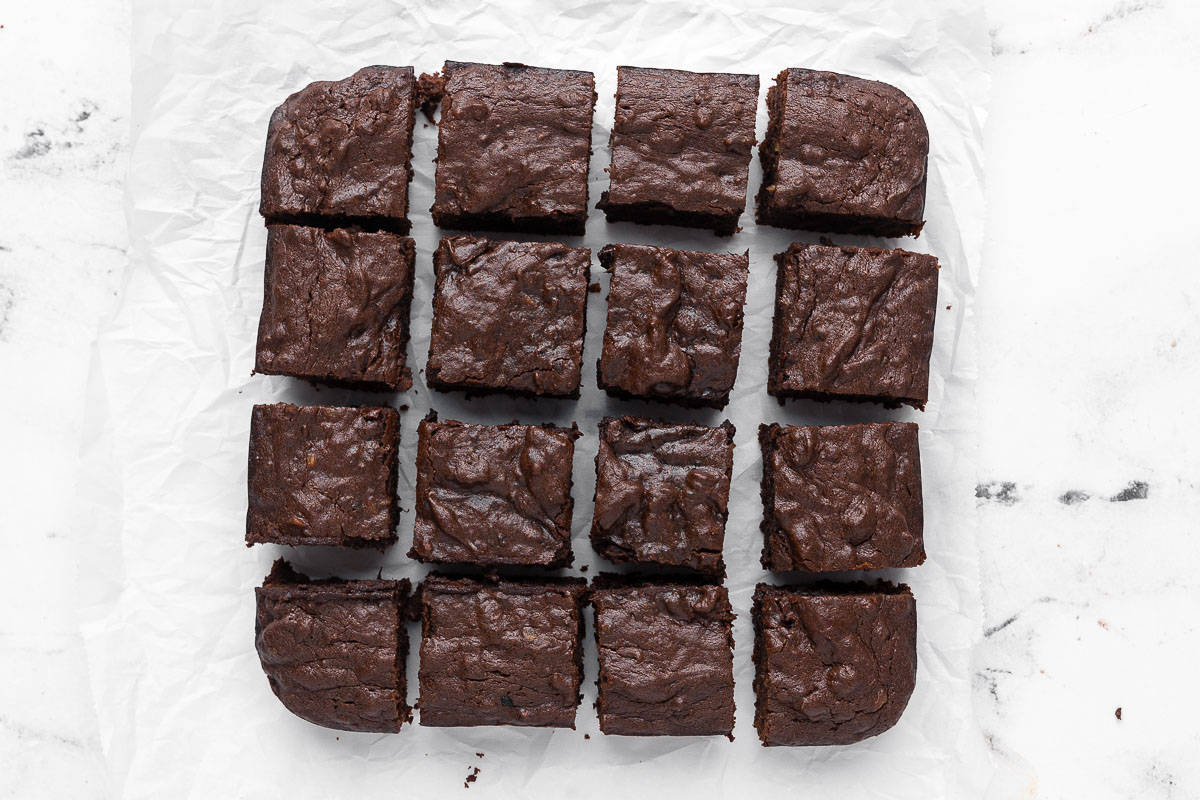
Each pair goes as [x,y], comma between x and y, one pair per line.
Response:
[340,152]
[674,330]
[681,145]
[841,497]
[514,143]
[323,475]
[842,154]
[501,652]
[833,664]
[508,317]
[853,323]
[666,658]
[493,495]
[662,493]
[334,651]
[336,307]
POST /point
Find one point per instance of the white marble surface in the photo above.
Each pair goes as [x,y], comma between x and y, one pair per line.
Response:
[1089,334]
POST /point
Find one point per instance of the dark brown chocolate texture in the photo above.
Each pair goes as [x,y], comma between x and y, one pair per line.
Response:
[681,145]
[662,493]
[853,323]
[842,154]
[513,148]
[666,659]
[339,152]
[322,475]
[499,652]
[833,665]
[491,495]
[508,317]
[674,330]
[336,307]
[334,651]
[841,497]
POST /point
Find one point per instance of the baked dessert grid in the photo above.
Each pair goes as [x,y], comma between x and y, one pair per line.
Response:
[500,410]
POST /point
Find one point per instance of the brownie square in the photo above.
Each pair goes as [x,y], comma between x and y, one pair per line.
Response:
[853,323]
[842,154]
[666,659]
[501,652]
[492,495]
[681,147]
[323,475]
[662,493]
[340,152]
[513,148]
[508,317]
[833,664]
[336,306]
[334,651]
[674,329]
[841,497]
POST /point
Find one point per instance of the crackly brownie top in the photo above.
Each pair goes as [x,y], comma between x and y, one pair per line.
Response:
[334,650]
[666,659]
[833,667]
[500,652]
[493,494]
[674,322]
[848,145]
[322,475]
[335,306]
[683,139]
[854,321]
[508,315]
[843,497]
[514,140]
[342,148]
[662,492]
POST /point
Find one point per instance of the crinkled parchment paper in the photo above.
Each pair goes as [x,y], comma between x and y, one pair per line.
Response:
[166,586]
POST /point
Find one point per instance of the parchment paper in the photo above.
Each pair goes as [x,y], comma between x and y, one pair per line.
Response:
[166,585]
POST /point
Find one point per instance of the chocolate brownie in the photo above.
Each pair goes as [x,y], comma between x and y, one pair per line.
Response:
[853,323]
[662,493]
[339,152]
[508,317]
[681,147]
[493,494]
[841,497]
[323,475]
[513,148]
[674,328]
[501,652]
[666,659]
[334,651]
[834,664]
[842,154]
[335,307]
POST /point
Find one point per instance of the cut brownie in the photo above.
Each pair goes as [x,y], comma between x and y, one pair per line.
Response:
[334,651]
[681,147]
[492,495]
[662,493]
[666,659]
[674,328]
[499,652]
[339,152]
[323,475]
[335,307]
[508,317]
[842,154]
[853,323]
[513,148]
[833,665]
[841,497]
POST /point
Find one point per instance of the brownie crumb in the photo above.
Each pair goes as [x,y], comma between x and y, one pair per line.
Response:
[430,87]
[479,755]
[583,568]
[474,776]
[588,736]
[594,288]
[1118,712]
